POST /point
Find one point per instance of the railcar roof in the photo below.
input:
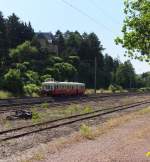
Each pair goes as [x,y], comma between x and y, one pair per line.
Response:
[64,83]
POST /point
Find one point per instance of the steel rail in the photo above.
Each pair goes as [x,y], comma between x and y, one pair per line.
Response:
[69,120]
[67,101]
[38,100]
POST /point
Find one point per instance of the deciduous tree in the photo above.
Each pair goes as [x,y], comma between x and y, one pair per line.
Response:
[136,29]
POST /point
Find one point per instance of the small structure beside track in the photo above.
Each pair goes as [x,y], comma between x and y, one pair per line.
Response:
[20,114]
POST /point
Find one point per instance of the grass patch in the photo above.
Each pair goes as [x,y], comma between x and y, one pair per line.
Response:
[87,132]
[36,116]
[45,105]
[71,110]
[143,111]
[52,114]
[77,109]
[36,157]
[87,109]
[7,124]
[5,94]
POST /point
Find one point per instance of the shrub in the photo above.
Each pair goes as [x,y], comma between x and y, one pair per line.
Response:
[89,91]
[45,77]
[72,109]
[86,132]
[36,117]
[31,90]
[144,89]
[5,94]
[45,105]
[13,82]
[114,88]
[87,109]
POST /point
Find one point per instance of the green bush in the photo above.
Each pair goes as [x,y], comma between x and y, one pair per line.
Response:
[87,109]
[115,88]
[31,90]
[86,131]
[13,82]
[36,118]
[144,89]
[5,94]
[46,77]
[45,105]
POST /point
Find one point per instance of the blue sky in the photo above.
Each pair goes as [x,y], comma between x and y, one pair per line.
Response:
[50,15]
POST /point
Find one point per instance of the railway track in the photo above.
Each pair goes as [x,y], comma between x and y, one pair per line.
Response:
[38,100]
[36,128]
[7,106]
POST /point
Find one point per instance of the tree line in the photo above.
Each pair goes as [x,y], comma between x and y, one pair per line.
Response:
[25,62]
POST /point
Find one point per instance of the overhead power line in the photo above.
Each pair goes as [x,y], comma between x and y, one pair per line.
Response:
[88,16]
[102,11]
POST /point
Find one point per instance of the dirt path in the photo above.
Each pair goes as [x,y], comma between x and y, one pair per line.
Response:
[126,143]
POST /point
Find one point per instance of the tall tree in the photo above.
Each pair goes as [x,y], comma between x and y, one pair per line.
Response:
[108,69]
[90,48]
[136,29]
[17,31]
[73,40]
[60,42]
[146,79]
[108,63]
[3,41]
[125,75]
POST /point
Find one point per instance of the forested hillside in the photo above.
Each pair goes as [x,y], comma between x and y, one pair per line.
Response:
[28,58]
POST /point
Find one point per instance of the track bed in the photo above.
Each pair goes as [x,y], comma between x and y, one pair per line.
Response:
[35,135]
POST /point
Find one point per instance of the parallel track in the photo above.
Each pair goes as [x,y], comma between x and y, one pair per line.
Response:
[36,128]
[38,100]
[7,106]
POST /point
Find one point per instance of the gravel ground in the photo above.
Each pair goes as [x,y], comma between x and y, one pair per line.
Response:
[58,112]
[126,143]
[17,146]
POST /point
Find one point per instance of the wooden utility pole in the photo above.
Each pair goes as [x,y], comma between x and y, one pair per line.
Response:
[95,75]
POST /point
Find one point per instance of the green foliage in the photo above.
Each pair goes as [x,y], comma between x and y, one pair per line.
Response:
[125,75]
[27,59]
[74,60]
[18,31]
[45,105]
[45,77]
[115,88]
[112,88]
[13,81]
[3,41]
[63,71]
[86,132]
[57,59]
[145,77]
[32,77]
[5,95]
[23,52]
[72,109]
[59,40]
[36,117]
[31,89]
[87,109]
[145,89]
[136,29]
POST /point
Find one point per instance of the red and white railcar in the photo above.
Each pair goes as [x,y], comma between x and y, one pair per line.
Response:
[53,88]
